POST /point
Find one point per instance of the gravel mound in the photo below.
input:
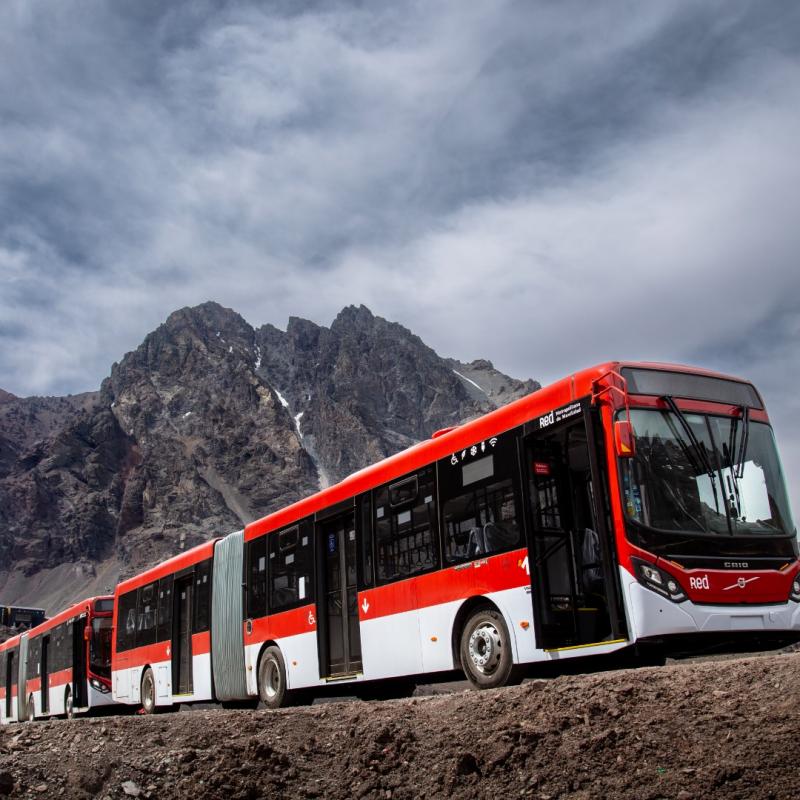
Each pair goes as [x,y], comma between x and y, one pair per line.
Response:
[688,730]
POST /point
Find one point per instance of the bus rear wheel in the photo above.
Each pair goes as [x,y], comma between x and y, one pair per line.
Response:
[485,650]
[69,706]
[272,679]
[31,710]
[148,692]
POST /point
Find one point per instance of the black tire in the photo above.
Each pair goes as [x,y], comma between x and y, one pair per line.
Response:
[272,679]
[31,710]
[485,650]
[69,706]
[148,694]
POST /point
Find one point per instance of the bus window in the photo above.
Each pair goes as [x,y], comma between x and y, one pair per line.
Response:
[146,612]
[406,527]
[480,500]
[202,596]
[365,541]
[481,522]
[100,647]
[291,562]
[257,578]
[164,624]
[126,621]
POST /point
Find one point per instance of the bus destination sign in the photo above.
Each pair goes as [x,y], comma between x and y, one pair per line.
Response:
[560,414]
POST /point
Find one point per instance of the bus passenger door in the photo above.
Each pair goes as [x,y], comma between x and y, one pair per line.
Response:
[45,662]
[9,682]
[572,563]
[182,636]
[337,604]
[79,658]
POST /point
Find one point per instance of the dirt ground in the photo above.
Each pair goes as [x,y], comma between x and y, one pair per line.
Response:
[688,730]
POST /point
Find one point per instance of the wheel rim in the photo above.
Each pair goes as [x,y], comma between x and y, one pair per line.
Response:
[69,706]
[486,648]
[31,710]
[272,679]
[147,700]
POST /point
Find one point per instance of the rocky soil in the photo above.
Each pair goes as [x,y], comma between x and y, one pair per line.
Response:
[714,729]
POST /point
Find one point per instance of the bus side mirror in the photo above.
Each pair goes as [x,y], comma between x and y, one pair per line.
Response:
[624,439]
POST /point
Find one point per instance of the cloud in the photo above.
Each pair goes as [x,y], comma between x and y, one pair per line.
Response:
[547,185]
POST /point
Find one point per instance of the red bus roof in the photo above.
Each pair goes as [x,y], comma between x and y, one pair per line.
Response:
[175,564]
[563,391]
[9,644]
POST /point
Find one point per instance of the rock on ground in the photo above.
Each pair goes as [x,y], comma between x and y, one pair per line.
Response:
[716,729]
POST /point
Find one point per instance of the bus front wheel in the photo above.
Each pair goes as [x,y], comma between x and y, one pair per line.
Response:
[69,706]
[148,692]
[31,710]
[485,650]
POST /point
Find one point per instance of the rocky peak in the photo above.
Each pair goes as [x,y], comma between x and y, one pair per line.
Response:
[209,424]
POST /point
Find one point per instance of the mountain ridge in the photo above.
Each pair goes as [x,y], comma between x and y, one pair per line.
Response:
[208,424]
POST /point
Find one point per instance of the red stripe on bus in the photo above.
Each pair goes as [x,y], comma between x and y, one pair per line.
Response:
[161,651]
[287,623]
[139,656]
[479,577]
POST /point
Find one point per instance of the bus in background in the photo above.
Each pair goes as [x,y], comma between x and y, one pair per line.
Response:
[161,654]
[61,667]
[625,507]
[21,618]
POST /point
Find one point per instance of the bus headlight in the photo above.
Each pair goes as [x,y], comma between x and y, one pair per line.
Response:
[658,581]
[795,593]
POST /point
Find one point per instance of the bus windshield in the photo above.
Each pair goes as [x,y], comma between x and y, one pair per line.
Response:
[711,475]
[100,647]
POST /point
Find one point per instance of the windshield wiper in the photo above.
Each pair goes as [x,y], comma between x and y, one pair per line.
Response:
[740,456]
[736,459]
[700,451]
[697,446]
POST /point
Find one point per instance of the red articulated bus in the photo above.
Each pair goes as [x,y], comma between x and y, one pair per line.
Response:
[161,652]
[628,507]
[61,667]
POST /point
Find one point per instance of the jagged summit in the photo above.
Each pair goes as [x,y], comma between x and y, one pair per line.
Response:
[208,424]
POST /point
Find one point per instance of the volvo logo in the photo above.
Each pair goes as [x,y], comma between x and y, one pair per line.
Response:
[740,583]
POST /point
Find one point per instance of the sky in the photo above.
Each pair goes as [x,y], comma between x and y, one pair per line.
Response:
[545,184]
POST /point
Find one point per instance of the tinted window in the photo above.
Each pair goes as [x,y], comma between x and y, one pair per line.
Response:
[365,540]
[11,658]
[164,623]
[202,596]
[404,516]
[34,656]
[103,606]
[291,565]
[126,621]
[257,578]
[146,615]
[480,500]
[681,384]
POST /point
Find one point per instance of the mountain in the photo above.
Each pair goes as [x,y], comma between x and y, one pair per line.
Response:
[206,426]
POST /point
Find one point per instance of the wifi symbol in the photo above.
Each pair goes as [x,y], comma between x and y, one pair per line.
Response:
[493,441]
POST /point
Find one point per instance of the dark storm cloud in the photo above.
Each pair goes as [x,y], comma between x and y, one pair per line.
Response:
[547,184]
